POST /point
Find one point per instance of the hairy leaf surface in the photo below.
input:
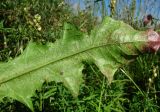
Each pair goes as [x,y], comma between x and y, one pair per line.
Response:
[108,46]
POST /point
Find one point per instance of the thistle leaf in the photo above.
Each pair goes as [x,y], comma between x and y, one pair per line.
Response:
[107,46]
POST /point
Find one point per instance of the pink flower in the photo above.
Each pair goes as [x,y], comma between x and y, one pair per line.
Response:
[153,40]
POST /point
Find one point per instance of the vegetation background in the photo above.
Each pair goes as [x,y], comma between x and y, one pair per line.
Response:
[42,21]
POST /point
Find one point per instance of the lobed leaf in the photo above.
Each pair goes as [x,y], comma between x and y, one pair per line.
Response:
[108,46]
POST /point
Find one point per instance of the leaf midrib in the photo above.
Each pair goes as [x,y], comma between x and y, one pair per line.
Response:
[51,62]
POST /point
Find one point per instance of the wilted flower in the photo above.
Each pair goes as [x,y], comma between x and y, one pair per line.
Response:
[61,4]
[39,28]
[34,20]
[155,74]
[26,9]
[37,17]
[150,80]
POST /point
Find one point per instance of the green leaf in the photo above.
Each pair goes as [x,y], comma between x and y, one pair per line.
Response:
[108,47]
[1,24]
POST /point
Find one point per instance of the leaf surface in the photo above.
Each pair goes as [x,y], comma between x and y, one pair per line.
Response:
[108,46]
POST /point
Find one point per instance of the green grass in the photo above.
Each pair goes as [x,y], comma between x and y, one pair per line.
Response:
[130,91]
